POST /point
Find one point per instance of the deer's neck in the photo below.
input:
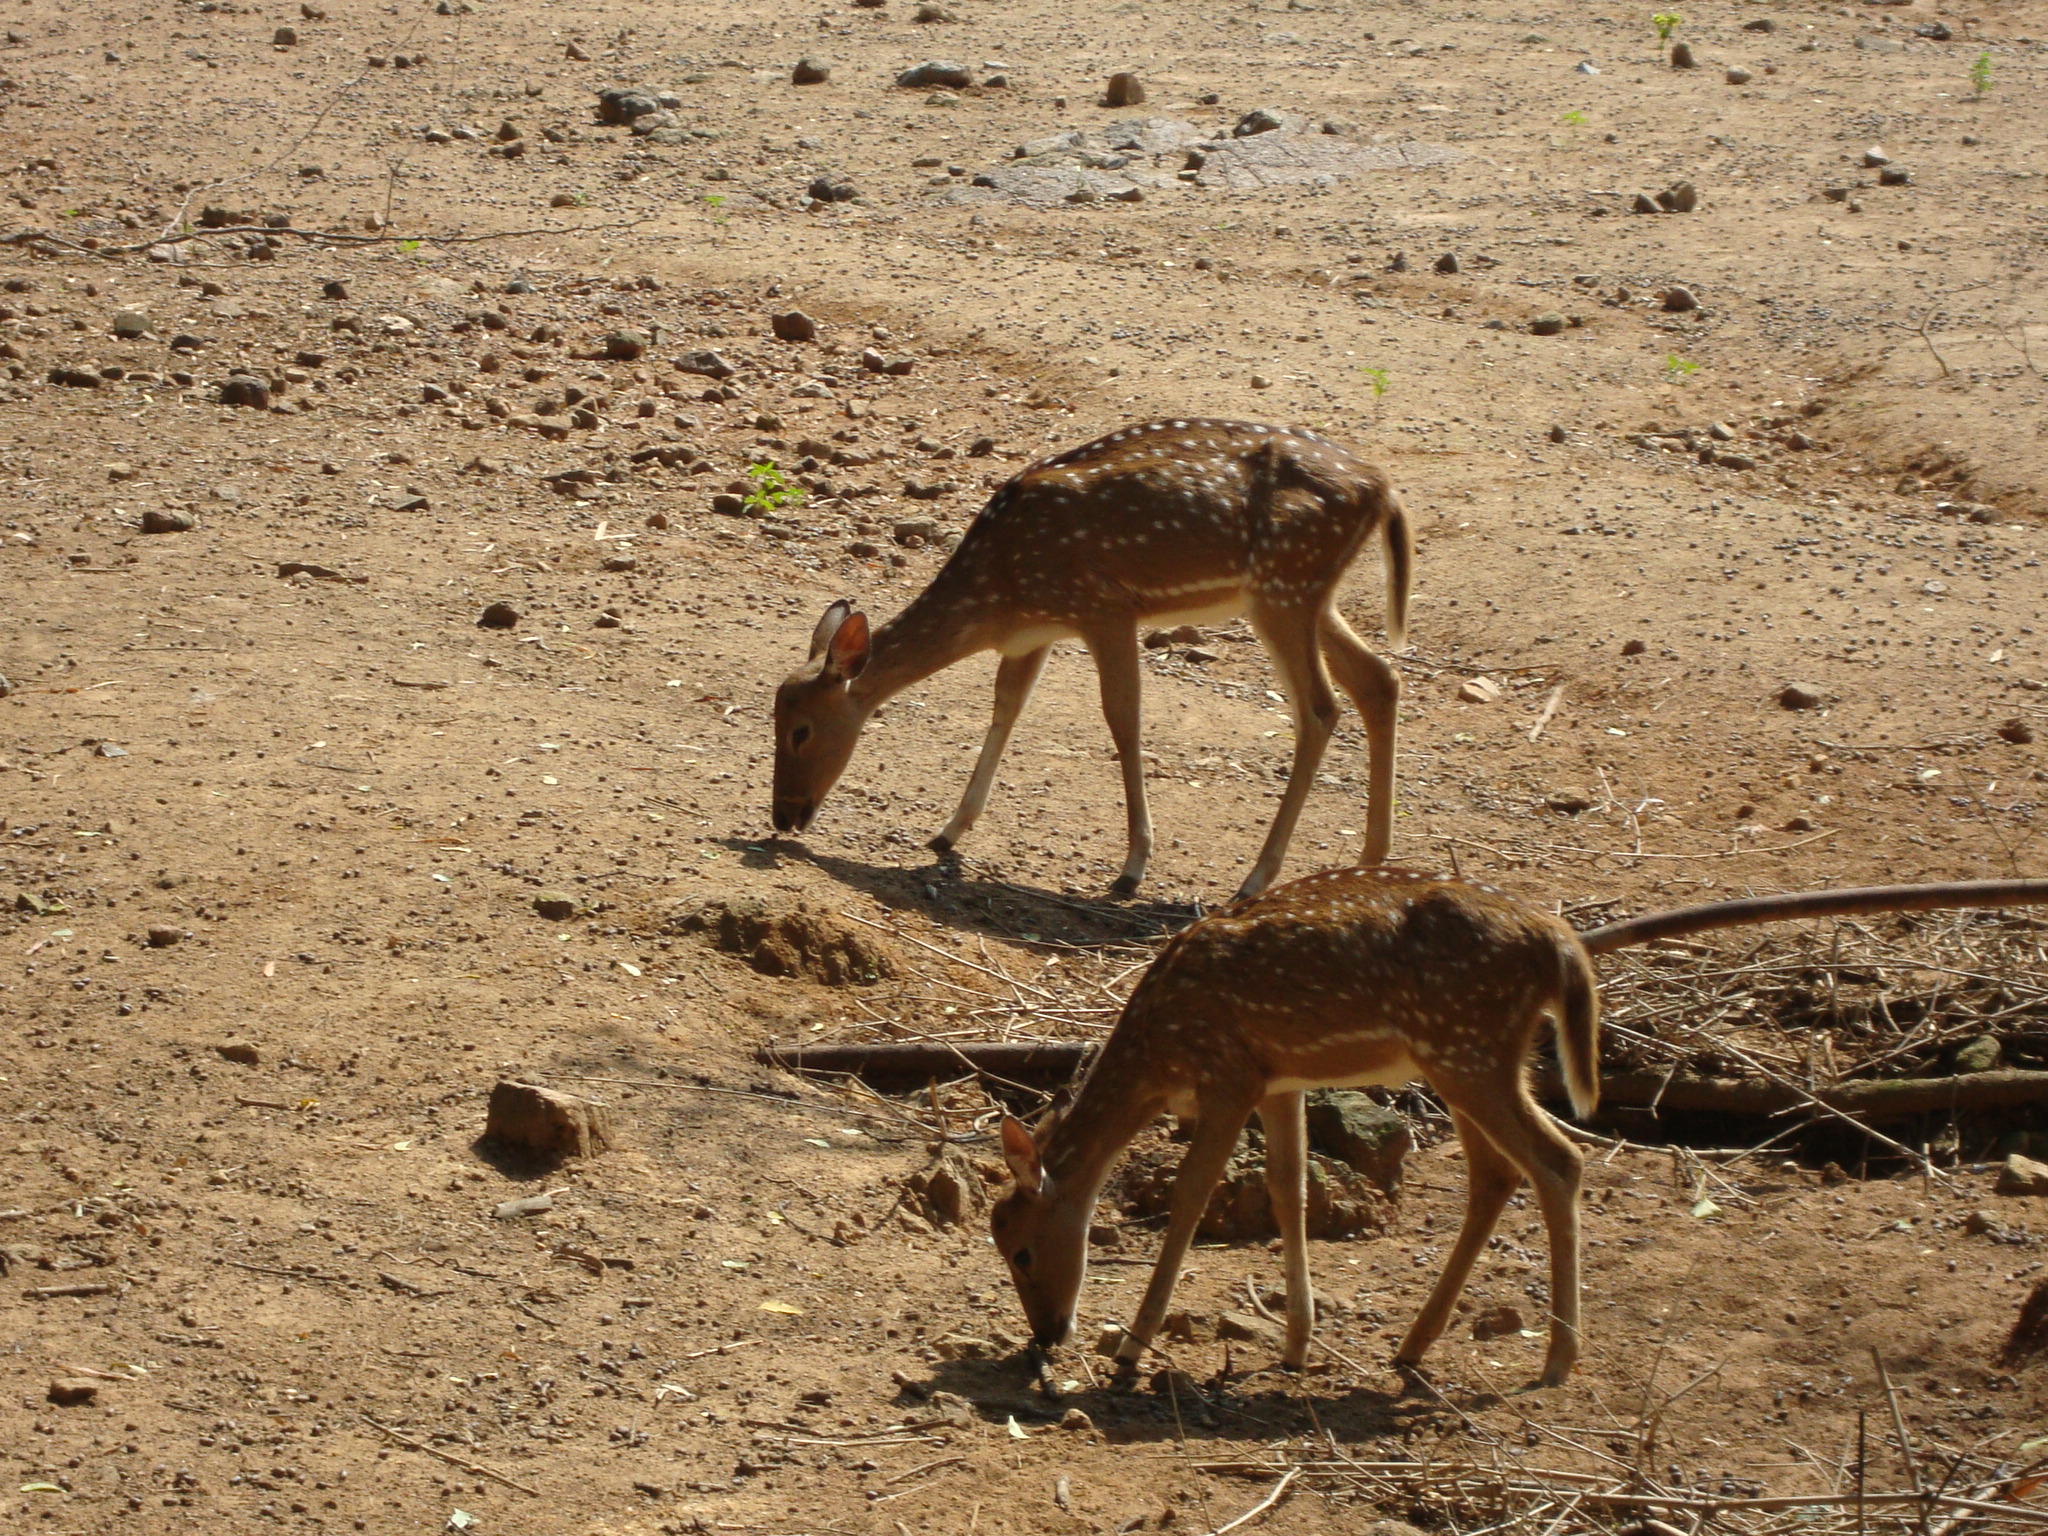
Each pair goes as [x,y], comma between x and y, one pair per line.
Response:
[942,625]
[1107,1112]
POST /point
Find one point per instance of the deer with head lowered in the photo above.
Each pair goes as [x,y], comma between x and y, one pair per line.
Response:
[1167,522]
[1345,978]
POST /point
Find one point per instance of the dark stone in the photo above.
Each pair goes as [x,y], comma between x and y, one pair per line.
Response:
[1124,90]
[498,616]
[167,522]
[811,70]
[794,326]
[624,346]
[710,364]
[1802,696]
[1449,263]
[1348,1126]
[242,390]
[1550,323]
[936,72]
[556,906]
[131,325]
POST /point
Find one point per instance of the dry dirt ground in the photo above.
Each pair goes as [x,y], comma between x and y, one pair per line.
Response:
[338,797]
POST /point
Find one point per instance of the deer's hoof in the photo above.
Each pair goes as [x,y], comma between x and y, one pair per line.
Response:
[941,844]
[1124,885]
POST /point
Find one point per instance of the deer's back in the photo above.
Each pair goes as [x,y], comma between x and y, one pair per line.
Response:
[1171,516]
[1354,975]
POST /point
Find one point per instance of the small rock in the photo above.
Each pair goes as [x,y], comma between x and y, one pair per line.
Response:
[1679,197]
[726,504]
[1558,434]
[1497,1323]
[576,52]
[556,906]
[1737,75]
[1644,203]
[167,522]
[1480,690]
[624,346]
[1247,1327]
[2022,1176]
[1260,381]
[131,325]
[334,288]
[1199,656]
[811,70]
[529,1205]
[709,364]
[936,72]
[1634,647]
[1801,696]
[1760,24]
[1977,1223]
[162,936]
[75,378]
[1682,56]
[825,189]
[1124,90]
[285,37]
[241,1052]
[1076,1421]
[1895,176]
[794,326]
[73,1391]
[2016,731]
[1568,801]
[1448,262]
[545,1122]
[1875,156]
[241,390]
[1679,300]
[1549,323]
[1935,31]
[1735,461]
[498,616]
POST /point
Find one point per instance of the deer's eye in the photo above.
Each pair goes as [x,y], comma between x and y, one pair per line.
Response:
[1021,1258]
[799,736]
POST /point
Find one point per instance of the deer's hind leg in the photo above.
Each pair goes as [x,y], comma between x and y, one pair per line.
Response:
[1375,688]
[1491,1177]
[1289,632]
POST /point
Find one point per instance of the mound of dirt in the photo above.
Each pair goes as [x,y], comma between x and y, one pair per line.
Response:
[1342,1202]
[792,941]
[951,1191]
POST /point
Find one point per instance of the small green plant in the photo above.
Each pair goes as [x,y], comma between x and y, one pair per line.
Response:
[1980,73]
[1666,23]
[772,490]
[408,246]
[1377,377]
[1574,119]
[1678,369]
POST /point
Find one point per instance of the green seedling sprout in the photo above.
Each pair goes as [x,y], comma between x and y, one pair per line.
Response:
[1574,119]
[1678,369]
[1980,73]
[1666,23]
[772,491]
[1377,377]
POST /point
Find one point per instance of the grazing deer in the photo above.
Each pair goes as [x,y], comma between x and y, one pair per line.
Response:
[1167,522]
[1349,977]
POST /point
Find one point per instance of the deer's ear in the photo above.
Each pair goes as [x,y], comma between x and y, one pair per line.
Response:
[1021,1153]
[846,656]
[828,626]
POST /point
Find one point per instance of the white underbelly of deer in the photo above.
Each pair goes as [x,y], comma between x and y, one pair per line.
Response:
[1171,522]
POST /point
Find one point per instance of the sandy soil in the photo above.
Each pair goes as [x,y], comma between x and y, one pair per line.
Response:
[309,811]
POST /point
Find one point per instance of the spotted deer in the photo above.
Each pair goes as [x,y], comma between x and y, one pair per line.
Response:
[1345,978]
[1168,522]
